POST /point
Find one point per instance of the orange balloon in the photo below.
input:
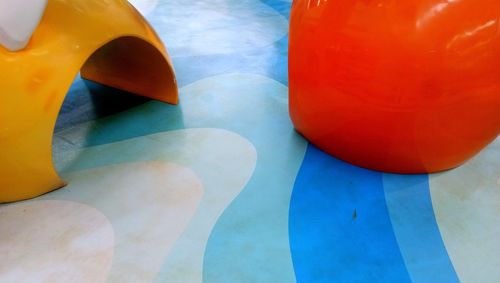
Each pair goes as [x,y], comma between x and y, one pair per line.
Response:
[407,86]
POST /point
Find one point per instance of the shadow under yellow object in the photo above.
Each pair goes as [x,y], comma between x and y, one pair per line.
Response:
[110,42]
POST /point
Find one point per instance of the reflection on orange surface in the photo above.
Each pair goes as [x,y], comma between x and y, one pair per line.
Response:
[124,53]
[401,86]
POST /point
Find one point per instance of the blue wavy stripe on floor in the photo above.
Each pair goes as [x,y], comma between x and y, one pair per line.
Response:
[340,228]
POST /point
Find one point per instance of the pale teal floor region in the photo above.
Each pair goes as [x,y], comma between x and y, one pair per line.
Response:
[466,203]
[198,28]
[414,224]
[250,241]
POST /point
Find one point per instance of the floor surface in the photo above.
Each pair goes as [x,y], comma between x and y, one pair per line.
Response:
[222,189]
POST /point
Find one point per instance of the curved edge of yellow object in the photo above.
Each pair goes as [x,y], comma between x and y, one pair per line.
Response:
[110,42]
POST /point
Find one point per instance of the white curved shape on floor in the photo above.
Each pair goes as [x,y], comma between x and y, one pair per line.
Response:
[18,21]
[54,241]
[466,202]
[147,217]
[149,205]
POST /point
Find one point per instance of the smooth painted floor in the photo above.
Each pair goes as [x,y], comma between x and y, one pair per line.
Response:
[222,189]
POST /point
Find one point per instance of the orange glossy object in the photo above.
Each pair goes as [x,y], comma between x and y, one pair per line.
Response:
[407,86]
[110,42]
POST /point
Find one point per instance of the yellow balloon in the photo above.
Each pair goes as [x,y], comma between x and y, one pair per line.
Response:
[110,42]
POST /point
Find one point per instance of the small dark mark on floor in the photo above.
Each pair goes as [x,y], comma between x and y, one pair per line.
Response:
[354,214]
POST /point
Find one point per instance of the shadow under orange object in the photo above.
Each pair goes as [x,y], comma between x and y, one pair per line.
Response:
[398,86]
[110,42]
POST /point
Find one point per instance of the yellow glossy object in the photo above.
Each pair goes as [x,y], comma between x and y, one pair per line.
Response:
[110,42]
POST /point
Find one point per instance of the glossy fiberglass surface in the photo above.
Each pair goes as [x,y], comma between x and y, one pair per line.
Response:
[73,35]
[399,86]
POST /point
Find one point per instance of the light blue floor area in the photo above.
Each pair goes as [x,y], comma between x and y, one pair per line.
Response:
[410,207]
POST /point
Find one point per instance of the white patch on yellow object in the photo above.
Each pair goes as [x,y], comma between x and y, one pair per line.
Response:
[467,207]
[144,6]
[54,241]
[18,21]
[224,162]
